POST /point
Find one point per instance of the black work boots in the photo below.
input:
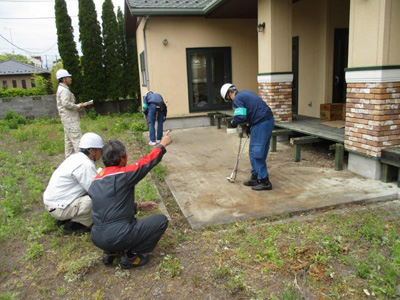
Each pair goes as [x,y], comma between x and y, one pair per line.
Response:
[258,184]
[263,185]
[252,181]
[75,227]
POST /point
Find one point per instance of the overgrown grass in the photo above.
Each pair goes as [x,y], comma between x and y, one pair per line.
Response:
[333,256]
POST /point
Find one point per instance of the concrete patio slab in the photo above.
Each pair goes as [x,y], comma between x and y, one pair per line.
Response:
[199,159]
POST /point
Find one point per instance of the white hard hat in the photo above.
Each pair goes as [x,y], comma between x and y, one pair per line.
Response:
[91,140]
[225,88]
[62,73]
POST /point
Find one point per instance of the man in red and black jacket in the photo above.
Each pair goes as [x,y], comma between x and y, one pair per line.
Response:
[112,192]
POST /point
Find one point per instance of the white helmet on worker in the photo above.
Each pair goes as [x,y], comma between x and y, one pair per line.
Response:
[91,140]
[62,73]
[227,87]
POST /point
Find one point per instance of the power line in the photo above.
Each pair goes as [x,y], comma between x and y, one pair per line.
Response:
[30,52]
[38,18]
[34,1]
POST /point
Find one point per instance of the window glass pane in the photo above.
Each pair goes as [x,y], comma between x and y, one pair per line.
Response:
[14,83]
[33,83]
[143,69]
[5,85]
[198,63]
[23,84]
[220,75]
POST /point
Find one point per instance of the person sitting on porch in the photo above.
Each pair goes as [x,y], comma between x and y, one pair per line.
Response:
[155,109]
[250,108]
[115,227]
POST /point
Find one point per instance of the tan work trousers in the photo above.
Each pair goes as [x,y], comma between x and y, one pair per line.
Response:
[78,211]
[72,136]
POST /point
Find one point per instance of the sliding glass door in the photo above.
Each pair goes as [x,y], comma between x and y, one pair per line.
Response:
[208,70]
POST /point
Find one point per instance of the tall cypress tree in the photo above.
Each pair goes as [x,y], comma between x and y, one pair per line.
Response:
[67,46]
[122,53]
[111,59]
[91,43]
[132,68]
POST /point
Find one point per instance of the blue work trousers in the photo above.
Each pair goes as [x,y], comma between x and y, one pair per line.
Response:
[155,115]
[259,146]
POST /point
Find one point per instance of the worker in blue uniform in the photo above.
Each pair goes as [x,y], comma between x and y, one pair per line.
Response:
[155,109]
[250,108]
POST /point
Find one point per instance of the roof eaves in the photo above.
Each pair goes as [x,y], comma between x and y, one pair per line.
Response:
[165,11]
[212,5]
[175,11]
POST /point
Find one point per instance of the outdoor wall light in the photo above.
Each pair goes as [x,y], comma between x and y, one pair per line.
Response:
[165,42]
[261,27]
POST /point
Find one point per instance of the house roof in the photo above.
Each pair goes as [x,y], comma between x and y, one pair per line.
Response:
[14,67]
[172,7]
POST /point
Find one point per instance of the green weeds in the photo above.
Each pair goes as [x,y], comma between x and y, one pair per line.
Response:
[170,266]
[34,251]
[76,269]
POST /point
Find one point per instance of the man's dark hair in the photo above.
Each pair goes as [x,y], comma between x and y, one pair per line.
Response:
[113,151]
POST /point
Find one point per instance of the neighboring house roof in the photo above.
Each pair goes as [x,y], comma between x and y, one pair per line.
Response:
[172,7]
[14,67]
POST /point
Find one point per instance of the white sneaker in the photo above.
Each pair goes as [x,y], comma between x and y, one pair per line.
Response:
[152,143]
[158,141]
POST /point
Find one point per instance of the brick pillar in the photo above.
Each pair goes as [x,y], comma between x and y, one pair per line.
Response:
[372,117]
[277,93]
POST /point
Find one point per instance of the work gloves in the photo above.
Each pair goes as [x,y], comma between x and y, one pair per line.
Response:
[246,128]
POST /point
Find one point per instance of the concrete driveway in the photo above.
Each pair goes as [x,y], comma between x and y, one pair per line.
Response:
[199,159]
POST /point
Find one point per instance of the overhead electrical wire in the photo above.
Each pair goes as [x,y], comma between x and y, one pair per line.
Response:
[30,52]
[38,18]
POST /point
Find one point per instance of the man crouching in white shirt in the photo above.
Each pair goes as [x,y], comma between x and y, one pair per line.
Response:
[66,197]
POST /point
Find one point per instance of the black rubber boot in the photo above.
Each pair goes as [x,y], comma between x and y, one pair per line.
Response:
[108,258]
[252,181]
[263,185]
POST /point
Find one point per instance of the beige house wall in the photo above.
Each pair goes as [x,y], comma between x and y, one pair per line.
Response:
[167,64]
[314,22]
[374,33]
[18,78]
[275,42]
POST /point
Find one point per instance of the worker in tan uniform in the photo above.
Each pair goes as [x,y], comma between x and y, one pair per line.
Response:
[69,112]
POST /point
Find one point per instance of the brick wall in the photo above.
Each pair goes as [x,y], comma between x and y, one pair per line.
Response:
[372,117]
[278,96]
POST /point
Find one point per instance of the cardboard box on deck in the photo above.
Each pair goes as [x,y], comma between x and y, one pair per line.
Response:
[332,111]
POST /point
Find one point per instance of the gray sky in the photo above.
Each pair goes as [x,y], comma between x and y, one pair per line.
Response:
[38,35]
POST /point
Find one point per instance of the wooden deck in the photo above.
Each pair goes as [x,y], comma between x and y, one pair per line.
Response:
[312,126]
[309,126]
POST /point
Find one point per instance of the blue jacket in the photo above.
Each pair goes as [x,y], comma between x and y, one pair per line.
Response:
[152,98]
[250,108]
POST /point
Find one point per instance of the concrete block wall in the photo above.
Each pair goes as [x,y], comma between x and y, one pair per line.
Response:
[372,117]
[278,96]
[30,107]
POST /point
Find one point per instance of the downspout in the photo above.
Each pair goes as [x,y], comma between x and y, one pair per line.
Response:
[145,54]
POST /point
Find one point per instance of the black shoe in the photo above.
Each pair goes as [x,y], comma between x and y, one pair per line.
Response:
[252,181]
[61,223]
[108,257]
[136,260]
[263,185]
[75,227]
